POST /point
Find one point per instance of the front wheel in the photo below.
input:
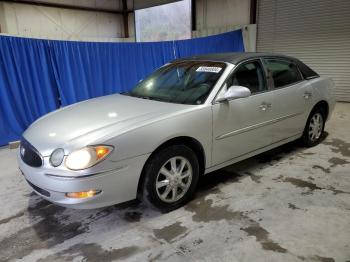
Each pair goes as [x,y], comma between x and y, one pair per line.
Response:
[171,177]
[314,128]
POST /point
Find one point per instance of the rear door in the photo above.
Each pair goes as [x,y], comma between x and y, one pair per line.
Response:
[243,125]
[291,97]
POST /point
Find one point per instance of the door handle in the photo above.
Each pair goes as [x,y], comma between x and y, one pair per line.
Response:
[307,95]
[264,106]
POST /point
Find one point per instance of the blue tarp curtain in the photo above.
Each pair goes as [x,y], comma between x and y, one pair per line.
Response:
[37,76]
[27,85]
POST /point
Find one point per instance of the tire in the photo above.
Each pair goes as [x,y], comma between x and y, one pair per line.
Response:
[165,189]
[314,128]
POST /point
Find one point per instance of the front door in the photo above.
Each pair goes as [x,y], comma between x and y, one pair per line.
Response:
[243,125]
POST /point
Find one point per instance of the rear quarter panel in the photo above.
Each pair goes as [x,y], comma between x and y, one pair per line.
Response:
[323,89]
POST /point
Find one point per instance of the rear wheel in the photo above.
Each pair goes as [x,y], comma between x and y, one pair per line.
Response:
[171,177]
[314,127]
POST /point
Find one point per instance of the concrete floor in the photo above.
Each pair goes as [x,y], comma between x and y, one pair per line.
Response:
[289,204]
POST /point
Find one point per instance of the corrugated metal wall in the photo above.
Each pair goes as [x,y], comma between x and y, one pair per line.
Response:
[211,14]
[315,31]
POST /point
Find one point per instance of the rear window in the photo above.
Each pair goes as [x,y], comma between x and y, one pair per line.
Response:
[306,71]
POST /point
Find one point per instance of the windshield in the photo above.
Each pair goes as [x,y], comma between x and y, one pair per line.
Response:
[186,82]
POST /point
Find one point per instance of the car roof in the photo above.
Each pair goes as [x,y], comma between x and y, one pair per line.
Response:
[233,57]
[237,57]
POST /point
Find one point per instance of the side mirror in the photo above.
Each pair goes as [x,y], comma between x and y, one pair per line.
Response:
[234,92]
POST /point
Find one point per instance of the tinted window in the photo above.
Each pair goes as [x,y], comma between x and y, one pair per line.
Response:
[187,82]
[249,75]
[283,72]
[306,71]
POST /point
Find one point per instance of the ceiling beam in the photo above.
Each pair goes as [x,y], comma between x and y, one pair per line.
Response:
[72,7]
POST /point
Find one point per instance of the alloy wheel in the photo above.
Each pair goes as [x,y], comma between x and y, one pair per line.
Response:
[174,179]
[315,127]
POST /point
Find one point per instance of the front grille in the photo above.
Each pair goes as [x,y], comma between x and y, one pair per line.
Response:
[30,155]
[40,190]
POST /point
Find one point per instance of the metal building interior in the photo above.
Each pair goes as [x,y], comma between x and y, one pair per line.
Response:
[291,203]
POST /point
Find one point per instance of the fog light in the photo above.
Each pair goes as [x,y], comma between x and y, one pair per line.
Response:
[83,194]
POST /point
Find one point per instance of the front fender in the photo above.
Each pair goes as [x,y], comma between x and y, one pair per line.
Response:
[145,139]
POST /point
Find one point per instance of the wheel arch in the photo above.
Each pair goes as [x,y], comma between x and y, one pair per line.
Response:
[324,105]
[188,141]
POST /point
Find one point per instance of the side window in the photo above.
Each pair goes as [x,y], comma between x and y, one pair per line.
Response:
[250,75]
[283,72]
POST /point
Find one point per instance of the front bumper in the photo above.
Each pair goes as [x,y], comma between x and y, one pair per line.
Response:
[117,185]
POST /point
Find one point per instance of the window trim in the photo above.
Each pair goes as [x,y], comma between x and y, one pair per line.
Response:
[283,60]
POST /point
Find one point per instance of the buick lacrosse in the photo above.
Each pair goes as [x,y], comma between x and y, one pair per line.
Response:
[188,118]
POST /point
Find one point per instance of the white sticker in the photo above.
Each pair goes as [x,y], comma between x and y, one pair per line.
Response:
[209,69]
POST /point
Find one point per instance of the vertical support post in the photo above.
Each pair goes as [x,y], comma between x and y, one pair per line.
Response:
[194,15]
[125,18]
[253,6]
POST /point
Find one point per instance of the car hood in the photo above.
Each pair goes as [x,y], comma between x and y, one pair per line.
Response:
[88,121]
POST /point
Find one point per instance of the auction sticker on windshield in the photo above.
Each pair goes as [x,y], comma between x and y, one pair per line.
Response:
[209,69]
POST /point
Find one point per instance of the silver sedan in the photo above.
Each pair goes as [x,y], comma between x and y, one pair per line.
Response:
[188,118]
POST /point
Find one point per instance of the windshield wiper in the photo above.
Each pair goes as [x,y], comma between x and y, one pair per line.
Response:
[152,98]
[133,95]
[139,96]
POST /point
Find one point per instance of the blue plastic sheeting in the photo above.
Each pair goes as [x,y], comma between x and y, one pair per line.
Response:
[27,86]
[36,74]
[87,70]
[227,42]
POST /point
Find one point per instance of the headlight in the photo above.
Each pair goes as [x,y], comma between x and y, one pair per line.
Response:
[87,157]
[56,157]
